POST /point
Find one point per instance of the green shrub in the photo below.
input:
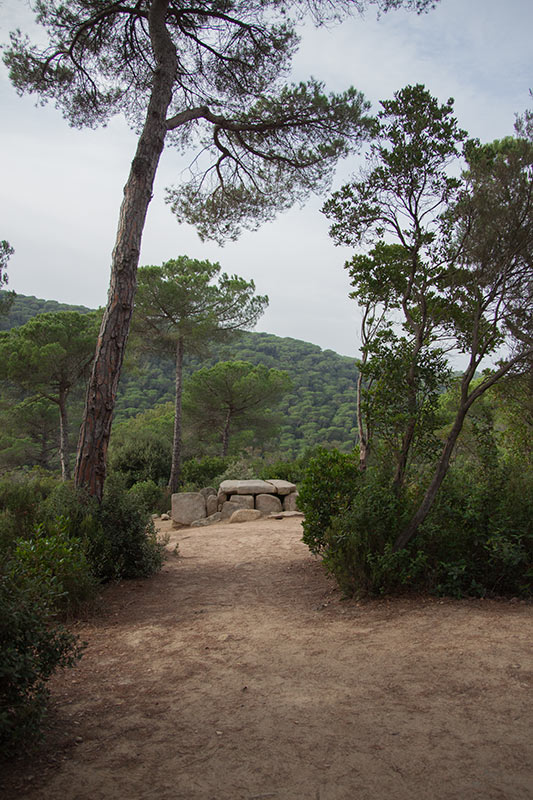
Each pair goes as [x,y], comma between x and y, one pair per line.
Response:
[292,471]
[52,555]
[146,456]
[198,473]
[359,541]
[237,469]
[32,647]
[118,535]
[120,538]
[479,533]
[329,485]
[151,497]
[21,495]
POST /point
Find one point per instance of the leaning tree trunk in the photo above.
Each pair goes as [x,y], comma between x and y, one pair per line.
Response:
[103,383]
[175,470]
[431,492]
[63,437]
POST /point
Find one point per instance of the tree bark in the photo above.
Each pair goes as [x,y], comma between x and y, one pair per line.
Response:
[63,437]
[362,434]
[175,470]
[103,383]
[467,401]
[225,434]
[440,473]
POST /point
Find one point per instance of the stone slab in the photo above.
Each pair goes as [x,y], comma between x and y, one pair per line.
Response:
[245,515]
[188,507]
[228,509]
[283,487]
[290,502]
[268,504]
[247,487]
[228,487]
[211,504]
[242,500]
[211,520]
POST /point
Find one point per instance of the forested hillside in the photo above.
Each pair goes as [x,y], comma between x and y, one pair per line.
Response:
[25,307]
[319,409]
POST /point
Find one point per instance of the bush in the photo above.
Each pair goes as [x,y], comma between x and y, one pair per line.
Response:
[359,541]
[292,471]
[150,497]
[329,485]
[476,541]
[198,473]
[479,533]
[32,647]
[20,497]
[120,539]
[53,556]
[118,534]
[144,457]
[237,469]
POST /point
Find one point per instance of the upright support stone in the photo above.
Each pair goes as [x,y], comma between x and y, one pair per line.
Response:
[188,507]
[268,503]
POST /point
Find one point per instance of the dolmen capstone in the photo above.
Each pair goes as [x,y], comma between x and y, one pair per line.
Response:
[259,497]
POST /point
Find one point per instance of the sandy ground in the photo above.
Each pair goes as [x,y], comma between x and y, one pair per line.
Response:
[239,673]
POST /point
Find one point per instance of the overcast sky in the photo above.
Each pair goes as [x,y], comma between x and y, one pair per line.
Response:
[60,189]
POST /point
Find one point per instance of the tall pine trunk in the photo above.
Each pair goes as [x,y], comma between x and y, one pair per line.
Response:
[225,434]
[103,383]
[64,455]
[175,470]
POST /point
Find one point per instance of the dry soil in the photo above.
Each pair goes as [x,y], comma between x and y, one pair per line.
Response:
[239,673]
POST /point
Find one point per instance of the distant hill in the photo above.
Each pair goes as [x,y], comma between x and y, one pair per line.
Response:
[320,409]
[25,307]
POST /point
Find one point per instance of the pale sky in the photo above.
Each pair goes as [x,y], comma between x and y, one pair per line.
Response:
[61,188]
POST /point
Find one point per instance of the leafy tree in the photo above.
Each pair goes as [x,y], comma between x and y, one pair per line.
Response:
[490,280]
[47,357]
[461,277]
[28,433]
[6,298]
[179,307]
[203,75]
[234,396]
[401,194]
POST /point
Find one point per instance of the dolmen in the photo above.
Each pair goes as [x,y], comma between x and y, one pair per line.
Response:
[236,501]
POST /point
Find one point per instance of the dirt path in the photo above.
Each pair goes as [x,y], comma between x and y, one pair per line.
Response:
[238,673]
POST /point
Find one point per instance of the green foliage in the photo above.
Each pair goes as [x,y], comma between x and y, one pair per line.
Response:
[118,535]
[477,540]
[145,456]
[151,497]
[479,534]
[358,541]
[202,472]
[330,483]
[292,470]
[234,397]
[32,647]
[121,540]
[24,307]
[53,556]
[20,498]
[237,469]
[48,357]
[323,393]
